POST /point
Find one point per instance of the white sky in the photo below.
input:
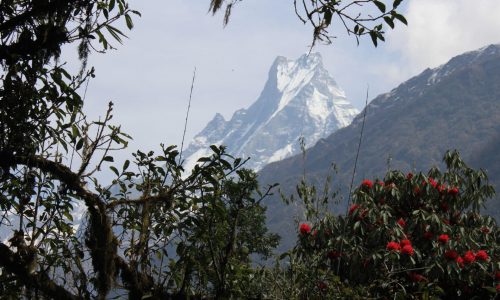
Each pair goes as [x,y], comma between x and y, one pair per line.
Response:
[149,77]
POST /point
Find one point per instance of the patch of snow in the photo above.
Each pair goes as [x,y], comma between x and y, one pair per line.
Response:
[317,106]
[281,154]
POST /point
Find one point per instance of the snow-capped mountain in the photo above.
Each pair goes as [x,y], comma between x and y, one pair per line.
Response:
[299,99]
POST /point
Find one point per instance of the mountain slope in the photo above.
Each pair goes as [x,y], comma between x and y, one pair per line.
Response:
[455,106]
[299,99]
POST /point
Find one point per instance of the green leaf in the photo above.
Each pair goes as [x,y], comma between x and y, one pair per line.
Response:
[389,21]
[114,170]
[380,5]
[79,145]
[115,33]
[373,35]
[215,149]
[102,39]
[396,3]
[129,22]
[108,158]
[126,164]
[111,5]
[401,18]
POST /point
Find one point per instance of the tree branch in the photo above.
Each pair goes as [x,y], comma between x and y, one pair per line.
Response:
[40,280]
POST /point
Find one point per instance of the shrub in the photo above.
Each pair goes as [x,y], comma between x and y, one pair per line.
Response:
[412,235]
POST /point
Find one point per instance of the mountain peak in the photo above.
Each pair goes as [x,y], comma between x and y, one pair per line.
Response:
[292,73]
[313,58]
[299,99]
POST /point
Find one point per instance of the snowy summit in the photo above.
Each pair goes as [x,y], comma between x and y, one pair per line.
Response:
[299,99]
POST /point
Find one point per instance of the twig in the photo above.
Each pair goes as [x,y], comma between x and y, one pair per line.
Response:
[354,174]
[187,115]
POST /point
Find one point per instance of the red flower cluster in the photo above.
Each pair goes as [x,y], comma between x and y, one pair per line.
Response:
[401,222]
[485,230]
[353,208]
[433,182]
[409,176]
[407,249]
[444,206]
[428,235]
[304,229]
[404,246]
[367,183]
[404,243]
[441,188]
[460,261]
[482,255]
[333,254]
[443,239]
[416,190]
[393,246]
[415,277]
[453,191]
[451,254]
[469,257]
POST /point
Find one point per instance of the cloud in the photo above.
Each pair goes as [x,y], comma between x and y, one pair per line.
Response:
[439,30]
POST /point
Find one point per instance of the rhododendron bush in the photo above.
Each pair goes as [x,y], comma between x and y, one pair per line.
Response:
[409,235]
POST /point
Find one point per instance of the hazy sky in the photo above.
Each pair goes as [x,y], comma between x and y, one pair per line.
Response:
[149,77]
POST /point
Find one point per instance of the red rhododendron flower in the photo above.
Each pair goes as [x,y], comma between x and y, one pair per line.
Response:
[333,254]
[304,229]
[460,261]
[485,230]
[409,176]
[381,183]
[393,246]
[407,249]
[367,183]
[416,190]
[482,255]
[441,188]
[443,239]
[453,191]
[469,257]
[404,243]
[433,182]
[428,235]
[322,285]
[363,214]
[451,254]
[401,222]
[353,208]
[415,277]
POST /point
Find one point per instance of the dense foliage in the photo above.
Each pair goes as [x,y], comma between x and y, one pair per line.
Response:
[139,235]
[408,236]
